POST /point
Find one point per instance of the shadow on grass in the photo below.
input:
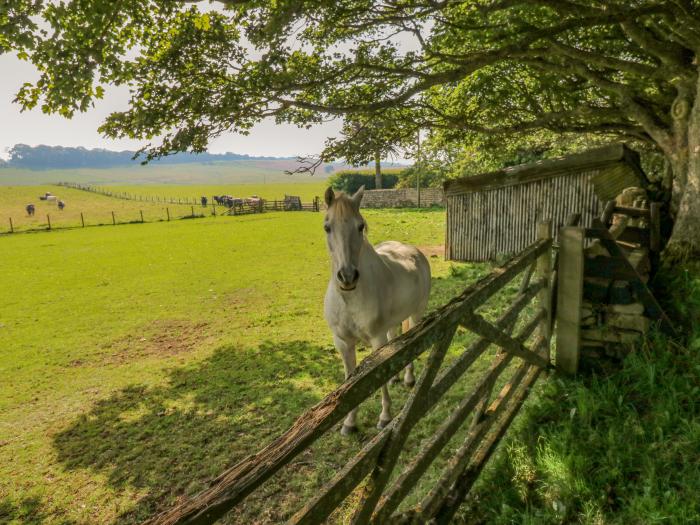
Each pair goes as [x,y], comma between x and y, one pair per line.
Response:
[171,439]
[619,448]
[26,510]
[168,441]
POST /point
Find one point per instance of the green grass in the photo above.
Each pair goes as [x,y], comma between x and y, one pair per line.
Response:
[618,445]
[96,209]
[212,173]
[139,361]
[142,360]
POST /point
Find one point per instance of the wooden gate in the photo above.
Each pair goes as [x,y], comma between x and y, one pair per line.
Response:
[370,471]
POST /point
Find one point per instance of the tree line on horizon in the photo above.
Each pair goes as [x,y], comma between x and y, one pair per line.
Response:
[59,157]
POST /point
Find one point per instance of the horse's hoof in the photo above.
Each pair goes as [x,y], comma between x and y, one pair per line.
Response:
[410,384]
[382,424]
[347,430]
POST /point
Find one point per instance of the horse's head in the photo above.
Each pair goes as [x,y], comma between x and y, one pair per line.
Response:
[345,232]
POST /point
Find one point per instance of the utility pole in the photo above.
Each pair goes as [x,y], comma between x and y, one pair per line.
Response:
[418,170]
[377,171]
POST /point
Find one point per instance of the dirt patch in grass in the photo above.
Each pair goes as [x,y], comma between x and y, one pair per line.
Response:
[432,251]
[162,337]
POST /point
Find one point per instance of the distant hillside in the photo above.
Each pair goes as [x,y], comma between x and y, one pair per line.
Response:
[59,157]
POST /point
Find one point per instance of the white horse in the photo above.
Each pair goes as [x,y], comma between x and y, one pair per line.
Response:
[371,290]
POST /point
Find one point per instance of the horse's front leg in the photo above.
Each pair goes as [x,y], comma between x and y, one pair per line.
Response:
[385,416]
[347,353]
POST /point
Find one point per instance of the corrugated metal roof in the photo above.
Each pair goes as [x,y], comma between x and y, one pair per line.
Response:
[618,165]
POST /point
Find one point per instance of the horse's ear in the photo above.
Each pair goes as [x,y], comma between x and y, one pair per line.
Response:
[357,198]
[329,196]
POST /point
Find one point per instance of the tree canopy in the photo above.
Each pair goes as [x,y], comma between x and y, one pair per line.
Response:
[484,68]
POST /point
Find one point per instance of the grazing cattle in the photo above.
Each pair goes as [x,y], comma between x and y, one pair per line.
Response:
[51,198]
[61,205]
[372,290]
[204,202]
[30,210]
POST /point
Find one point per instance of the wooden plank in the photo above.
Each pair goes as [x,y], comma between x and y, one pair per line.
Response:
[632,212]
[571,220]
[652,308]
[449,376]
[240,480]
[569,298]
[407,418]
[435,498]
[319,508]
[360,465]
[481,326]
[608,211]
[432,447]
[544,271]
[466,480]
[608,268]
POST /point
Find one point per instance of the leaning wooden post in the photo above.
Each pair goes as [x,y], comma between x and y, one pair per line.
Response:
[82,219]
[544,271]
[141,212]
[167,211]
[192,211]
[48,219]
[12,228]
[114,220]
[607,212]
[570,297]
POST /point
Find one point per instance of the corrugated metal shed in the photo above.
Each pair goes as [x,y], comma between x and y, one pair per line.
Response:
[496,213]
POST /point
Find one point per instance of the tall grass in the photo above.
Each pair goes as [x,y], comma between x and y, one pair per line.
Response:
[616,445]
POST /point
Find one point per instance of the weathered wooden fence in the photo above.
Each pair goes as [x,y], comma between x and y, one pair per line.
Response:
[241,209]
[370,471]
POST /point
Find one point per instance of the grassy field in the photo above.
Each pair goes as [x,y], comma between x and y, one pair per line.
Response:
[97,209]
[213,173]
[144,359]
[139,361]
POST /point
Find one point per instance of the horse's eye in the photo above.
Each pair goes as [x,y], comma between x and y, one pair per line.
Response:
[361,227]
[327,228]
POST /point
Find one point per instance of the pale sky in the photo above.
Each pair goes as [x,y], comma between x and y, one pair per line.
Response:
[34,127]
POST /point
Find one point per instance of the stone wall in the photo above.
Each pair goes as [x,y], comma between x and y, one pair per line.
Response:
[612,318]
[403,198]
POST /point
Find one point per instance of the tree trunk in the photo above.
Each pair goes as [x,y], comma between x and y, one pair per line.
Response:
[377,171]
[685,239]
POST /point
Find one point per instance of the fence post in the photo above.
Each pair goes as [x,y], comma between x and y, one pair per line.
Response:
[82,220]
[569,298]
[48,219]
[141,212]
[213,209]
[544,271]
[114,221]
[168,212]
[12,228]
[192,207]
